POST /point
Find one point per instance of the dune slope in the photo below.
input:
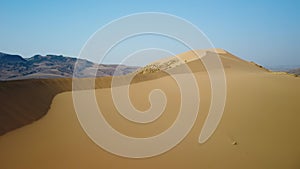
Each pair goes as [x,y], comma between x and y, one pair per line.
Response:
[259,128]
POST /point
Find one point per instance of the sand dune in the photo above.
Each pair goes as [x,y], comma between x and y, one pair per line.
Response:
[259,128]
[24,101]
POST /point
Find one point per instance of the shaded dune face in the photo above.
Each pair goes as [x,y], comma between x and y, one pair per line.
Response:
[259,128]
[34,97]
[25,101]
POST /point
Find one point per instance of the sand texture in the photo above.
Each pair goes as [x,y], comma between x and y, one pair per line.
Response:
[259,128]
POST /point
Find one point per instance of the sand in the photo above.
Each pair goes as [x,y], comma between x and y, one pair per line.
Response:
[259,128]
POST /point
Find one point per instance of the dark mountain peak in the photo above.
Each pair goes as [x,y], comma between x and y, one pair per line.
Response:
[56,56]
[49,58]
[37,57]
[8,58]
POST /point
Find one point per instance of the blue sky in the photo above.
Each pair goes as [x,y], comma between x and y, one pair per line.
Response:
[266,32]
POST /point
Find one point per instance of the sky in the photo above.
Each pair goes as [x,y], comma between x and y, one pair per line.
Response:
[266,32]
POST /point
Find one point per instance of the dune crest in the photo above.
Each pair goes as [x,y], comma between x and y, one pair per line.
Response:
[259,128]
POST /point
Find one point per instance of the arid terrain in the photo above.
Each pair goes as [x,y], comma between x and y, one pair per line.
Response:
[259,128]
[15,67]
[295,71]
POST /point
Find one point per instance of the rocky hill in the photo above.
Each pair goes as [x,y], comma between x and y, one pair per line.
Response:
[14,67]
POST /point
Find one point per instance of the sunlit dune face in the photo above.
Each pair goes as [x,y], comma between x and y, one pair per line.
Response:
[259,128]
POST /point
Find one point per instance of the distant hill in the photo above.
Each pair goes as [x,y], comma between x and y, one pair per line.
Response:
[7,58]
[294,71]
[14,67]
[291,69]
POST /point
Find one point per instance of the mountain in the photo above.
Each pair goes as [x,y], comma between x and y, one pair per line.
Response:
[7,58]
[14,67]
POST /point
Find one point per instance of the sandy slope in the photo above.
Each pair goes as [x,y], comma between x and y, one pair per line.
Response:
[24,101]
[262,116]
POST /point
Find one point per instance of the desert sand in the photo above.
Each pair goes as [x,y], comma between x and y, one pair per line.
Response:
[259,128]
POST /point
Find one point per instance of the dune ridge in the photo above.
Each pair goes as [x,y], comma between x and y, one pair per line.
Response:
[42,91]
[259,128]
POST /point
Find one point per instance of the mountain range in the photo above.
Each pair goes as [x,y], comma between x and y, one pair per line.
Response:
[14,67]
